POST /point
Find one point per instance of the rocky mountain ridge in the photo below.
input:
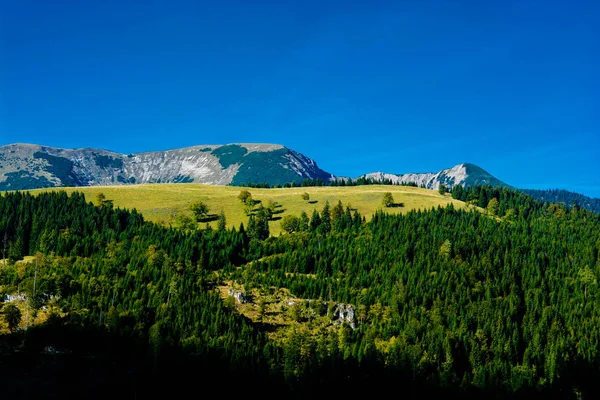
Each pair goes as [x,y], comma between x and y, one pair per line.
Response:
[26,166]
[461,174]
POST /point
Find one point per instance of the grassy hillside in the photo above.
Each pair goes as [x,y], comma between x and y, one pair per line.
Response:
[163,202]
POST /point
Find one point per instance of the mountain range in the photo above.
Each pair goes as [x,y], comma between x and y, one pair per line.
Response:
[29,166]
[26,166]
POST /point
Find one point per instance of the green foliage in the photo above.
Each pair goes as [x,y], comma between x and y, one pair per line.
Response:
[258,225]
[222,225]
[587,278]
[185,222]
[271,207]
[305,196]
[199,209]
[442,189]
[493,206]
[446,249]
[245,197]
[100,199]
[444,298]
[12,316]
[387,200]
[290,223]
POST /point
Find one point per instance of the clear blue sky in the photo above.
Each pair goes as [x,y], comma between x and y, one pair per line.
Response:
[405,86]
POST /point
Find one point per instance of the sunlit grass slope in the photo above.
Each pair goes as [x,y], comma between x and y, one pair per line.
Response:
[163,202]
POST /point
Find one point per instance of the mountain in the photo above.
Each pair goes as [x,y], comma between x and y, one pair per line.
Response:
[27,166]
[461,174]
[564,196]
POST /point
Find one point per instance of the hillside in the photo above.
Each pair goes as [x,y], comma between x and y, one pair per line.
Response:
[564,196]
[26,166]
[164,202]
[444,303]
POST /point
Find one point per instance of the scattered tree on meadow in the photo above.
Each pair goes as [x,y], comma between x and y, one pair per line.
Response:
[100,198]
[388,199]
[442,189]
[102,201]
[199,209]
[271,206]
[245,197]
[305,196]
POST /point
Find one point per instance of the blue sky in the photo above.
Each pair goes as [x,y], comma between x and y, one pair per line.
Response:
[405,86]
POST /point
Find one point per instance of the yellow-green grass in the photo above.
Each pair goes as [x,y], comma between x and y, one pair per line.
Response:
[163,202]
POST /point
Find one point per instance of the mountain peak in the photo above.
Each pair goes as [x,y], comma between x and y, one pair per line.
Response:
[27,166]
[465,174]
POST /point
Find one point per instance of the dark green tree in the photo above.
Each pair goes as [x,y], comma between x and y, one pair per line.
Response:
[12,316]
[222,225]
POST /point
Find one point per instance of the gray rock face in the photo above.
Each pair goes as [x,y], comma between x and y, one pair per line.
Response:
[239,296]
[344,313]
[26,166]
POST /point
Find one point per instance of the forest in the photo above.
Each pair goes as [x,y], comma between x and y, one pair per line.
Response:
[498,301]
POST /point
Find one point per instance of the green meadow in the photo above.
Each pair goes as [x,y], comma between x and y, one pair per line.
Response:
[162,203]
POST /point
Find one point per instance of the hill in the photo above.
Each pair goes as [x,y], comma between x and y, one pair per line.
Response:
[164,202]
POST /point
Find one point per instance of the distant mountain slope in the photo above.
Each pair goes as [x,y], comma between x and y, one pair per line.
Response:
[461,174]
[564,196]
[26,166]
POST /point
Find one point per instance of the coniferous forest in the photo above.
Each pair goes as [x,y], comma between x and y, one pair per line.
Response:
[500,301]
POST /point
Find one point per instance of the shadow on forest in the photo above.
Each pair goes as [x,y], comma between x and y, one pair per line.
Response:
[61,360]
[269,326]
